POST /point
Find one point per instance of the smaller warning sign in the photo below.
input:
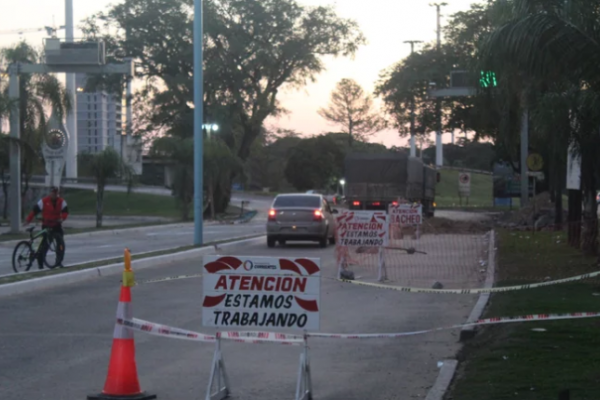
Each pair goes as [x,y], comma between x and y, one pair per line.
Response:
[406,214]
[464,184]
[362,228]
[261,292]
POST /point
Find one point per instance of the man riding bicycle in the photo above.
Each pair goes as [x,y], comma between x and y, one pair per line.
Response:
[54,211]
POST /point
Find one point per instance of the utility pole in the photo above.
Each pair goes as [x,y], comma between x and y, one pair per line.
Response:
[413,147]
[439,155]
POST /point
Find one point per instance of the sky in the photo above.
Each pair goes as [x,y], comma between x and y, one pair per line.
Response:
[385,23]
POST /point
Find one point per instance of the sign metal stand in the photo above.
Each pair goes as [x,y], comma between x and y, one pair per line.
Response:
[218,374]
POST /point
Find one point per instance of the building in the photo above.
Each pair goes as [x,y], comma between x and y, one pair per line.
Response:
[99,119]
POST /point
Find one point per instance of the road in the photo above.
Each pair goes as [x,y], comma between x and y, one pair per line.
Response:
[58,348]
[83,248]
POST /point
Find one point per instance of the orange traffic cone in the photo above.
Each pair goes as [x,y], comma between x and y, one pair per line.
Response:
[122,380]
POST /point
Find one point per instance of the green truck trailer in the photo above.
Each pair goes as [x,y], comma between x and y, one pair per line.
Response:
[374,181]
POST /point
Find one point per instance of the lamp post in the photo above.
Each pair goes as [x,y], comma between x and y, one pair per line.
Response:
[210,128]
[71,166]
[198,139]
[413,147]
[343,183]
[439,155]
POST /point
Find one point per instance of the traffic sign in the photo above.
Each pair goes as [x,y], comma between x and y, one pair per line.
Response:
[535,162]
[464,184]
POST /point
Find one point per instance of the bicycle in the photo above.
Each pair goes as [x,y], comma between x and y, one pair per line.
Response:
[27,250]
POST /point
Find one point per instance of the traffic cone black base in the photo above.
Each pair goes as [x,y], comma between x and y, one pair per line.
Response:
[102,396]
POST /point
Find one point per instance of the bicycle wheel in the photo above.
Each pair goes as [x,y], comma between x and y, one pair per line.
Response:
[22,257]
[56,251]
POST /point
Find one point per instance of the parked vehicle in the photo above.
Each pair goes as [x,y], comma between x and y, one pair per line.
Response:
[374,181]
[305,217]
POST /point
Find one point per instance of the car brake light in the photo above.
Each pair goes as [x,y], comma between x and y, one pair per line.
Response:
[272,215]
[318,216]
[356,203]
[394,203]
[376,204]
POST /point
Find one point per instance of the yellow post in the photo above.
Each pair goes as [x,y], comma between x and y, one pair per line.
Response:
[128,280]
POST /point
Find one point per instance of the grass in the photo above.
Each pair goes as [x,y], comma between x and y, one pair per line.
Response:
[513,361]
[56,271]
[446,191]
[83,202]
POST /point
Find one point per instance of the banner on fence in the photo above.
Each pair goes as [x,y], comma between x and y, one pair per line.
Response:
[406,214]
[363,228]
[261,292]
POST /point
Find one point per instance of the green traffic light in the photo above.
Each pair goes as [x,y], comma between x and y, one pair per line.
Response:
[488,79]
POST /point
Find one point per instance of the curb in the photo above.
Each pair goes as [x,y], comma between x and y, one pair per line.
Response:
[468,332]
[66,278]
[443,380]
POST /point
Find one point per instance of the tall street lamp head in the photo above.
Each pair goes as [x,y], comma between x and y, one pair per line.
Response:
[342,182]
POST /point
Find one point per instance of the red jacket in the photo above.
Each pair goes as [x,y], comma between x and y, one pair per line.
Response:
[51,211]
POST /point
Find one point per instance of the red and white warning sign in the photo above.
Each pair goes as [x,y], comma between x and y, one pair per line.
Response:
[406,214]
[261,292]
[362,228]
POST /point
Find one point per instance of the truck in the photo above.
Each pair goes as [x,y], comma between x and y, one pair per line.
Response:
[374,181]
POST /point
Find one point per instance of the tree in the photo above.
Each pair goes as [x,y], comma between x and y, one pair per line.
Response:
[352,109]
[105,165]
[252,49]
[312,164]
[4,168]
[219,164]
[553,49]
[38,94]
[181,152]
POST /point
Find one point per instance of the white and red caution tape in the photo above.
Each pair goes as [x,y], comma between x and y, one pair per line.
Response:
[488,321]
[258,337]
[474,291]
[153,328]
[156,329]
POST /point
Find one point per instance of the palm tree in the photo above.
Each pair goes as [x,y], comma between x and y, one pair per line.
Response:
[105,165]
[554,48]
[39,95]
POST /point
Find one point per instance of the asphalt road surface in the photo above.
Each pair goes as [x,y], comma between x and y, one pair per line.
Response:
[55,344]
[81,248]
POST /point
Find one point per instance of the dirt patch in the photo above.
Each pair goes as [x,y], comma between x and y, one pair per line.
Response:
[440,226]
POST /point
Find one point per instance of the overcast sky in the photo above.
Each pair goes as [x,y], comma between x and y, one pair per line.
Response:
[385,23]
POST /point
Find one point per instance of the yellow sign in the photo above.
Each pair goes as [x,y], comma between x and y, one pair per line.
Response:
[535,162]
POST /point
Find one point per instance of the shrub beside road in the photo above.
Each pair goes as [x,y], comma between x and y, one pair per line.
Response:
[522,360]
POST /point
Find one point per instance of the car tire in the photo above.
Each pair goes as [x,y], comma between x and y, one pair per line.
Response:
[332,240]
[270,241]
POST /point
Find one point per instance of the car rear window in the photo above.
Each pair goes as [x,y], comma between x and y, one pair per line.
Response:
[298,201]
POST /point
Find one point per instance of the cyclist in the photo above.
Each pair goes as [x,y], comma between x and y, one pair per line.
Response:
[54,211]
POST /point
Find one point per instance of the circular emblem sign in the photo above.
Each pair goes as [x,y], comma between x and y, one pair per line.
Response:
[464,178]
[56,139]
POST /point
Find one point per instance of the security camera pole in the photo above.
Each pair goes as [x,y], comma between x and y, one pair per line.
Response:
[413,147]
[59,59]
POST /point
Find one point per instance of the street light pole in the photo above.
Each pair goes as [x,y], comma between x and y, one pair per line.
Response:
[198,139]
[413,147]
[439,155]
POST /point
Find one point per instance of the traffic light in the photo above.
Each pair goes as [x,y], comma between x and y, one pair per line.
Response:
[488,79]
